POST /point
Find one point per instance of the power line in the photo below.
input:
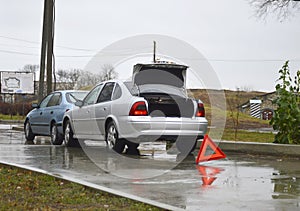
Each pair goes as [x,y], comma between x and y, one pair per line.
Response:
[72,48]
[129,54]
[21,40]
[39,43]
[240,60]
[18,46]
[19,53]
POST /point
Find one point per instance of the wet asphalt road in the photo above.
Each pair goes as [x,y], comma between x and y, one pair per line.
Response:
[239,182]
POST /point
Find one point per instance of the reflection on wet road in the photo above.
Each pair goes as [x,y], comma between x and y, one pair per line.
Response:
[238,182]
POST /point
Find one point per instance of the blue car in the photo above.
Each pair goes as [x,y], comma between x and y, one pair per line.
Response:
[46,118]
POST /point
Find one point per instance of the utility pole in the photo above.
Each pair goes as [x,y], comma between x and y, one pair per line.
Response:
[154,51]
[46,49]
[50,38]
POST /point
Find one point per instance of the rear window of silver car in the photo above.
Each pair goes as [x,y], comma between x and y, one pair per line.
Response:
[135,90]
[75,96]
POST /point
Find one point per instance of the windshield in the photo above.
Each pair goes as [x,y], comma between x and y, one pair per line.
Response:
[75,96]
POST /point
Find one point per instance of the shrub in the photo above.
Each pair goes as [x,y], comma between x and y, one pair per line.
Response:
[287,115]
[15,108]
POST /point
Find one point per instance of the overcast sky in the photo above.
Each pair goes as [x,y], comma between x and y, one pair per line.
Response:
[243,50]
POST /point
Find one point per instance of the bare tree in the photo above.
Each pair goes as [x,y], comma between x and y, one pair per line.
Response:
[108,72]
[31,68]
[78,79]
[88,79]
[283,8]
[66,79]
[234,111]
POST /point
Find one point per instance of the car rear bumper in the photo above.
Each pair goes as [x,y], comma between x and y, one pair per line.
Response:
[156,128]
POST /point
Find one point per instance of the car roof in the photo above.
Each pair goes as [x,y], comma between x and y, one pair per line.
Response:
[69,91]
[112,80]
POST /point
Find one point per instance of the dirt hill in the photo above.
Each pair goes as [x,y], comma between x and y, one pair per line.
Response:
[232,101]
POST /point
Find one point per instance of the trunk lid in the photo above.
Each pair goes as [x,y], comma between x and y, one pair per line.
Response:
[160,73]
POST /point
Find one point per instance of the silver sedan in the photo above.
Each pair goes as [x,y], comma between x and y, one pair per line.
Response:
[127,113]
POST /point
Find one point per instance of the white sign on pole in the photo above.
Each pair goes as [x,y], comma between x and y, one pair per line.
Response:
[17,83]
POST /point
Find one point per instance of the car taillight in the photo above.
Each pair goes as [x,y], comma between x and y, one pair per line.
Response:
[200,110]
[138,109]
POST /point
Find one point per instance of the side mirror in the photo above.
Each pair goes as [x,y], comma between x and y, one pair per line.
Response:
[79,103]
[35,105]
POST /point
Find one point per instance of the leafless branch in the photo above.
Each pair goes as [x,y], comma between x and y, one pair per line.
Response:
[282,8]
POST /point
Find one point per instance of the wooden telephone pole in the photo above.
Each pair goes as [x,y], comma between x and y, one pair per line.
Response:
[154,51]
[46,49]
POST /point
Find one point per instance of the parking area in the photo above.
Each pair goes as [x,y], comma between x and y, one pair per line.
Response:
[241,181]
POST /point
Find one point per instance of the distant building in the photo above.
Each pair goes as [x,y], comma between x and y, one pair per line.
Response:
[260,106]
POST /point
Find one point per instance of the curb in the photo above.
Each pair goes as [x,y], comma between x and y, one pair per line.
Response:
[99,187]
[292,150]
[11,121]
[261,148]
[246,147]
[17,128]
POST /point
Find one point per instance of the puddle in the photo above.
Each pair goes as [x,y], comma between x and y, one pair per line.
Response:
[239,182]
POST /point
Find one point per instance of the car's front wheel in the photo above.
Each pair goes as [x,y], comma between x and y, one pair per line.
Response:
[28,132]
[112,138]
[69,139]
[56,138]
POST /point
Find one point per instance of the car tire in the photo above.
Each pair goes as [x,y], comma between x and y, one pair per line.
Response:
[28,132]
[112,138]
[69,139]
[56,137]
[132,148]
[186,145]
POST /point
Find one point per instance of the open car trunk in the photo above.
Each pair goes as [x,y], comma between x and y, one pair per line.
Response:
[166,74]
[161,84]
[166,105]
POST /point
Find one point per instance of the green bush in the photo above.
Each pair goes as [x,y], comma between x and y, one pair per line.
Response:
[287,115]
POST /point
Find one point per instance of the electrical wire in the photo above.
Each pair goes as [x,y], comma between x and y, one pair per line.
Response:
[39,43]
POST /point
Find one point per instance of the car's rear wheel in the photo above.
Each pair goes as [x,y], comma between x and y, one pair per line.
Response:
[69,139]
[132,148]
[56,138]
[28,132]
[112,138]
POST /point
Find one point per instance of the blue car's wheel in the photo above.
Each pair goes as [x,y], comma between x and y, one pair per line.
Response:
[56,138]
[28,132]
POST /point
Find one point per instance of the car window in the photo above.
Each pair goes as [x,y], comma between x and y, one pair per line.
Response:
[132,88]
[117,92]
[92,96]
[75,96]
[45,101]
[106,92]
[55,100]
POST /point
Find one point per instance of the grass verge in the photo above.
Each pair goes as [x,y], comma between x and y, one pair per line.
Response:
[248,136]
[26,190]
[9,117]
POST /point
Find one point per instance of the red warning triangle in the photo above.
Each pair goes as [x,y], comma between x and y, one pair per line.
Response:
[208,178]
[208,142]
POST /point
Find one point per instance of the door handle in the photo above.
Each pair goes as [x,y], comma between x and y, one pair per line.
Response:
[104,108]
[41,113]
[51,112]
